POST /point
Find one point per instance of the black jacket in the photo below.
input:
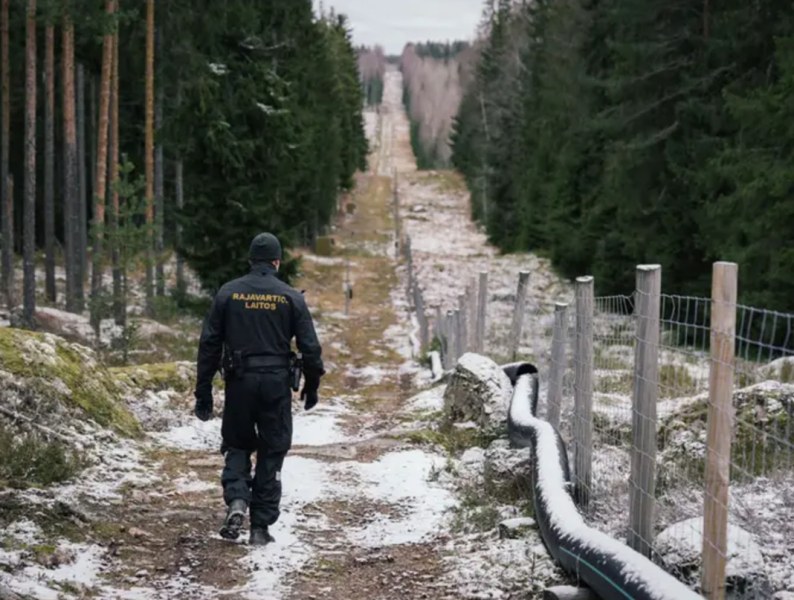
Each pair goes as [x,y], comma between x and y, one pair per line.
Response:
[257,314]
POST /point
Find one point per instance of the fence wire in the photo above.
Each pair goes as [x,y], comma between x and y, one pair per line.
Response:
[761,494]
[760,506]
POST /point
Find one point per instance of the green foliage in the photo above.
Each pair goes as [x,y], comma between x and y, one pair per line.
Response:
[622,132]
[27,460]
[277,98]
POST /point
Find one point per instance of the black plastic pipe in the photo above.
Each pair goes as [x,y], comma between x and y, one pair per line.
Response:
[607,566]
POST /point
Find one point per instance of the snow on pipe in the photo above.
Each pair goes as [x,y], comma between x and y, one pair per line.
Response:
[610,568]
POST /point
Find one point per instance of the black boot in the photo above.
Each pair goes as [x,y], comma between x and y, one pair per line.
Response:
[260,537]
[234,520]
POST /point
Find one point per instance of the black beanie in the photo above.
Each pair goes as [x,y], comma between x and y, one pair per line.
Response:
[264,248]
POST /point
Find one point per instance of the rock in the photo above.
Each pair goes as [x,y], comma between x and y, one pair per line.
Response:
[767,406]
[680,548]
[503,462]
[478,391]
[139,533]
[781,369]
[515,528]
[8,594]
[75,327]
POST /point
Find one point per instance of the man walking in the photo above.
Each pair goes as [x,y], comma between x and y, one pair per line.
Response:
[249,328]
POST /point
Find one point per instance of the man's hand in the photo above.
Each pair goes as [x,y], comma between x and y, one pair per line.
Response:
[203,408]
[309,391]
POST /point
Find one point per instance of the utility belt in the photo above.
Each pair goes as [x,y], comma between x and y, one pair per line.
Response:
[236,364]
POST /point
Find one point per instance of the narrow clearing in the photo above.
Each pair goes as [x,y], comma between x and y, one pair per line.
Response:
[372,509]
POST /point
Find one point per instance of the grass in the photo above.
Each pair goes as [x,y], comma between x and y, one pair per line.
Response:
[454,440]
[479,503]
[28,461]
[675,381]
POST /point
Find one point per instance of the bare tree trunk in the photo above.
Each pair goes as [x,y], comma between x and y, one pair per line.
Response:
[49,161]
[159,211]
[119,304]
[78,215]
[74,283]
[149,151]
[101,172]
[29,213]
[6,189]
[181,287]
[91,135]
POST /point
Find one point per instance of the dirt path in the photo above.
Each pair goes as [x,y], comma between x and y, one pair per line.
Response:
[376,504]
[360,518]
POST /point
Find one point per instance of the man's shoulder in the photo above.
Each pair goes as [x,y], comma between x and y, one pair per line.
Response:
[286,289]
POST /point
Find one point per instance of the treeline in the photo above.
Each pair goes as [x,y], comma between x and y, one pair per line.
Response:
[434,76]
[619,132]
[372,70]
[130,129]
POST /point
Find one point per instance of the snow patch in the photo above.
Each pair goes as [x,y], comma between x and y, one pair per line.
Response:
[319,427]
[403,478]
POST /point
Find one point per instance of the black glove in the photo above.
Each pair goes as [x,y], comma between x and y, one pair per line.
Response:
[203,408]
[309,391]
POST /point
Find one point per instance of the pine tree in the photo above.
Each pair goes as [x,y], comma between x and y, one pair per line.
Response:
[100,190]
[6,196]
[29,216]
[149,153]
[74,283]
[49,161]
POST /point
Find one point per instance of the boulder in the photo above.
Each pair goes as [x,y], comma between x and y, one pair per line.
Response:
[478,391]
[766,407]
[680,547]
[781,369]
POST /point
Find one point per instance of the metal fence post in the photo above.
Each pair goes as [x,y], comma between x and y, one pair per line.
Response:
[518,315]
[583,391]
[557,369]
[719,428]
[642,480]
[482,302]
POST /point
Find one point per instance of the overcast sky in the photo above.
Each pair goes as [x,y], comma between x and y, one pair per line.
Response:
[393,23]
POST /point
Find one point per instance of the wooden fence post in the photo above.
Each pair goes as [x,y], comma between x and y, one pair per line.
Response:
[642,480]
[471,315]
[456,324]
[724,285]
[482,309]
[463,325]
[518,315]
[446,349]
[421,317]
[583,391]
[397,234]
[410,267]
[557,368]
[449,334]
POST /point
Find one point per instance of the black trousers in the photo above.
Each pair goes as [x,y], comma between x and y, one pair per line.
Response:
[257,417]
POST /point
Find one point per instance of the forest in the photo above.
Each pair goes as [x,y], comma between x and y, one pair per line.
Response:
[434,75]
[132,130]
[612,133]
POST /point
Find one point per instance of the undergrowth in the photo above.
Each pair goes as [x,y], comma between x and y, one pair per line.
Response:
[26,460]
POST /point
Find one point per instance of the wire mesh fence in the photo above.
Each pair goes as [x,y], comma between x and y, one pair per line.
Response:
[632,394]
